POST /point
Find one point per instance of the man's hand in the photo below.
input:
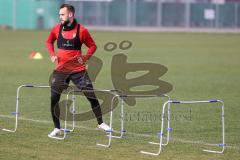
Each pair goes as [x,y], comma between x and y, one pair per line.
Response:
[53,58]
[83,59]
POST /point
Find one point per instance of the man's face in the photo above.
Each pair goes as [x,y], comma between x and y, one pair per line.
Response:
[64,15]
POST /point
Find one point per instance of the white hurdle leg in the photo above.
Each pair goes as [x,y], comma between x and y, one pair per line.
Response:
[223,130]
[65,129]
[160,134]
[73,112]
[169,129]
[122,130]
[110,132]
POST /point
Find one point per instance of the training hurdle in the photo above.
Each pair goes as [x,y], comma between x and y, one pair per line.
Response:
[122,129]
[161,133]
[16,113]
[113,92]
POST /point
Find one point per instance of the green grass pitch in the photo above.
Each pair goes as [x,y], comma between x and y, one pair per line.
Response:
[201,66]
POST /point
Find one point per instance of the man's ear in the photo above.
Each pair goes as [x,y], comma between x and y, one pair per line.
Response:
[70,15]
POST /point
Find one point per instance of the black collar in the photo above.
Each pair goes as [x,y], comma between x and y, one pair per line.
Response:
[67,27]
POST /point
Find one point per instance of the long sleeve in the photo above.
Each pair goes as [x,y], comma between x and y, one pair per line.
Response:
[50,42]
[89,42]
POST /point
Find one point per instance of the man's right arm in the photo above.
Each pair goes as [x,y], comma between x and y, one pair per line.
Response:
[50,44]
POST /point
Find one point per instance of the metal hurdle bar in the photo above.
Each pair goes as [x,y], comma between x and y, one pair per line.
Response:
[189,102]
[16,113]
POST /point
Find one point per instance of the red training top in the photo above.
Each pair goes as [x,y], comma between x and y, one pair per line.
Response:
[68,60]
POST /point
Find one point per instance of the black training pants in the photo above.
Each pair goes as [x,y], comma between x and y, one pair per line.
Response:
[60,82]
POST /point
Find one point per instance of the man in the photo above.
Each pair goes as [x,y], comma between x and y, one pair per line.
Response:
[71,63]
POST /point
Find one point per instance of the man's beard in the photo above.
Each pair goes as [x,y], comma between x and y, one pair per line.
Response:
[66,23]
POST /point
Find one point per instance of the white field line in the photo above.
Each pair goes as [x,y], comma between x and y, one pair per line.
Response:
[130,133]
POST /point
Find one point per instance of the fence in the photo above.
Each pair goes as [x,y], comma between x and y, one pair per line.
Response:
[38,14]
[155,13]
[28,14]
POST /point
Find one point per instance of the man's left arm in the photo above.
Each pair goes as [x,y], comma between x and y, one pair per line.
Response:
[89,42]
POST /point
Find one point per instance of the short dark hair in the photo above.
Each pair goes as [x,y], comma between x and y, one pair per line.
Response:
[69,7]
